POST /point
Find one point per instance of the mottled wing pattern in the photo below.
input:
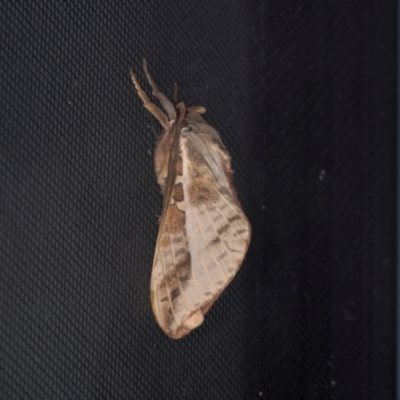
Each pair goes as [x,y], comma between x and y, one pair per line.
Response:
[203,237]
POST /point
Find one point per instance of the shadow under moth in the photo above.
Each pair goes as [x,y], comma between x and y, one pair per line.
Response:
[203,232]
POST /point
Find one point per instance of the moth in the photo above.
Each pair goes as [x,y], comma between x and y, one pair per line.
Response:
[203,232]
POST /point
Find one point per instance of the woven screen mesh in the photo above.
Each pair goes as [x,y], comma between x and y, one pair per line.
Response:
[303,95]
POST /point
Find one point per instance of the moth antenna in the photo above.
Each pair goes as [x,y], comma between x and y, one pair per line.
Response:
[166,104]
[176,94]
[148,105]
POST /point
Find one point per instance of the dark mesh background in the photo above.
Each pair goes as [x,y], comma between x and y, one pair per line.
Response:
[303,94]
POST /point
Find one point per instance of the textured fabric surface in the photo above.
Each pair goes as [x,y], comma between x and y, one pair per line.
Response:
[303,95]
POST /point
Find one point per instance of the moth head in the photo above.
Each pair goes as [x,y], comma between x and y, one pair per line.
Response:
[168,114]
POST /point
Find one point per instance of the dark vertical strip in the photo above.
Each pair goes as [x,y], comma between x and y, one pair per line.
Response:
[397,244]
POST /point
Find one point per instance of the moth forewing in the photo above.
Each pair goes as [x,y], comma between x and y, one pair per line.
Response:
[203,233]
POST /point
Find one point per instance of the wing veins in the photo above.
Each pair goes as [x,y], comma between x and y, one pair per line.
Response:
[239,212]
[187,250]
[201,261]
[231,204]
[177,279]
[166,284]
[211,252]
[188,224]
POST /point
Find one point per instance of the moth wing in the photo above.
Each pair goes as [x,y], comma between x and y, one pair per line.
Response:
[203,238]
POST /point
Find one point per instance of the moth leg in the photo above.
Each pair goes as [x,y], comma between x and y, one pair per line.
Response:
[166,104]
[150,107]
[196,109]
[182,111]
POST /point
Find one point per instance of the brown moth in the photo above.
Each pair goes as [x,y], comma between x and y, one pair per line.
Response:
[203,233]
